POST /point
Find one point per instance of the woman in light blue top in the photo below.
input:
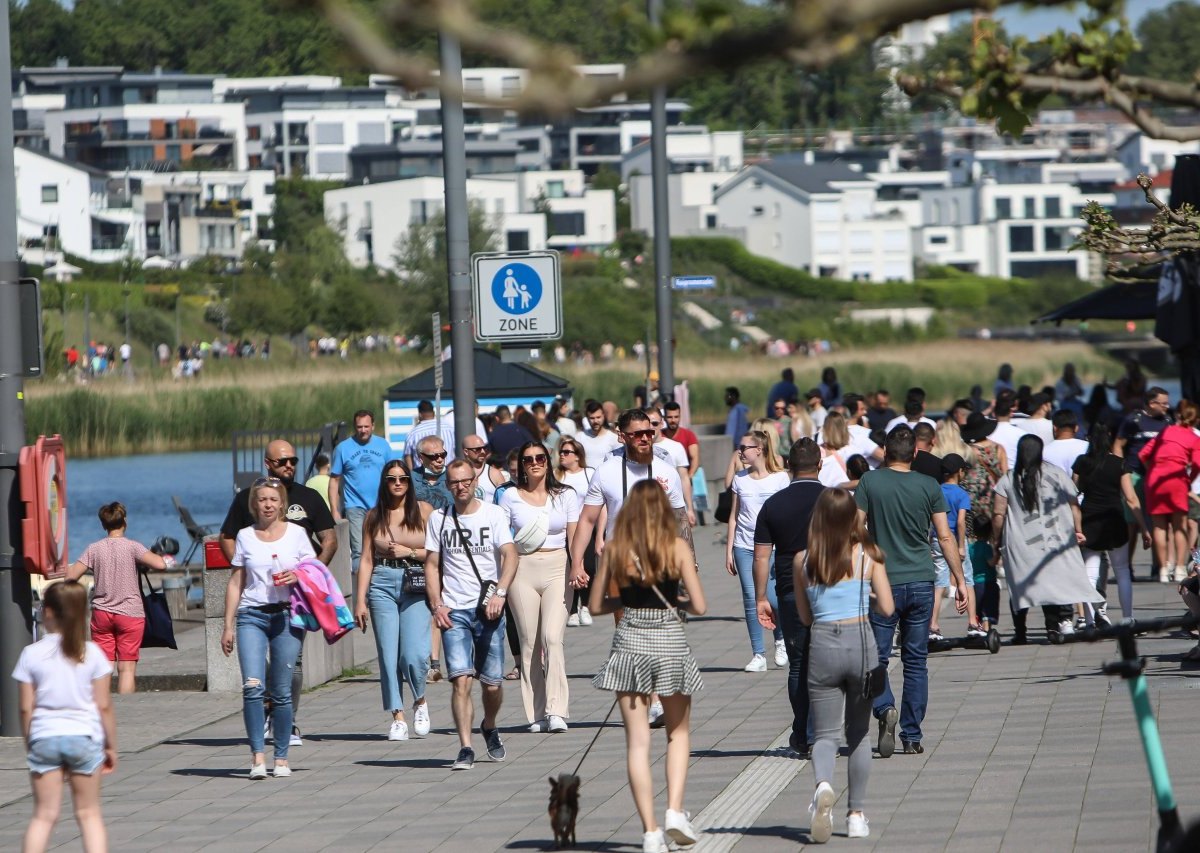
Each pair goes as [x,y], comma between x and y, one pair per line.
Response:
[838,572]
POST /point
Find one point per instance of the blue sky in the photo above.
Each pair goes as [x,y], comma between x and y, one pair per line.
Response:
[1039,22]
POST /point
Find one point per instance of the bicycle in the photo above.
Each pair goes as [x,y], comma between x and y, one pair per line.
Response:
[1172,837]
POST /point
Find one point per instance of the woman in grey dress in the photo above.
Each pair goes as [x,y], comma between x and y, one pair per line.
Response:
[1037,520]
[648,562]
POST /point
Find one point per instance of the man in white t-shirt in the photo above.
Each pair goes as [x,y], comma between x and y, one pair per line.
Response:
[860,434]
[470,544]
[1038,423]
[597,440]
[1065,448]
[677,456]
[1006,434]
[914,411]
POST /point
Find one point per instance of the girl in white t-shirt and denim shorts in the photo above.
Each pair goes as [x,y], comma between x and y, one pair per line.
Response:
[66,718]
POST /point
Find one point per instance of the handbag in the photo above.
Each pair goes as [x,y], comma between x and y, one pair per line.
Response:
[414,579]
[874,679]
[158,629]
[724,506]
[487,589]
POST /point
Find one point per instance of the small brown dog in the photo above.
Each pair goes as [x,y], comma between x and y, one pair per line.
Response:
[564,808]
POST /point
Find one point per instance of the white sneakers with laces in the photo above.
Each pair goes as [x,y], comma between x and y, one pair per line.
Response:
[679,828]
[781,657]
[421,719]
[398,730]
[585,618]
[758,663]
[820,812]
[857,826]
[655,842]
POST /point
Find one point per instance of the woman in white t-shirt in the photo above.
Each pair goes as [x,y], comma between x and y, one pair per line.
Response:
[835,450]
[257,603]
[762,476]
[542,513]
[66,718]
[572,470]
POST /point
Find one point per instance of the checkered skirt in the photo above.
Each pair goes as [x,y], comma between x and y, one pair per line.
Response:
[650,654]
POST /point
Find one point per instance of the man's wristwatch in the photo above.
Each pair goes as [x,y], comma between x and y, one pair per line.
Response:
[501,592]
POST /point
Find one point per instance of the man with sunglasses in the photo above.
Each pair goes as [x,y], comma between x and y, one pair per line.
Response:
[307,508]
[477,451]
[429,477]
[427,425]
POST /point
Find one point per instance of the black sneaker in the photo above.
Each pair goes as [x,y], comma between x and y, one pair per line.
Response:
[798,746]
[495,746]
[465,760]
[912,748]
[1019,640]
[887,732]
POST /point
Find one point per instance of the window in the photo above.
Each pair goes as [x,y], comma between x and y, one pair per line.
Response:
[555,189]
[367,214]
[776,210]
[331,163]
[938,239]
[1057,238]
[860,242]
[1004,208]
[1020,238]
[567,224]
[756,211]
[1053,207]
[935,217]
[49,193]
[1030,208]
[253,132]
[710,220]
[329,134]
[374,133]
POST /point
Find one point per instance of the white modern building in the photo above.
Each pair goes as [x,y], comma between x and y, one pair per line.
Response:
[374,217]
[820,218]
[691,205]
[1142,155]
[73,208]
[689,149]
[578,217]
[193,214]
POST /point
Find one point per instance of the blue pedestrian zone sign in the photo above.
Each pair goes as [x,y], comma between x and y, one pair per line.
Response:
[517,297]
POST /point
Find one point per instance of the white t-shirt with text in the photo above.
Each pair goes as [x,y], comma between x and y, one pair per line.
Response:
[484,531]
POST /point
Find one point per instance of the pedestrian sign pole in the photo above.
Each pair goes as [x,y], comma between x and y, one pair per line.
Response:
[438,374]
[517,298]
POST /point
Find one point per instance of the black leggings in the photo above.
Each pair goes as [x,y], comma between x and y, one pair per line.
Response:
[580,598]
[1053,614]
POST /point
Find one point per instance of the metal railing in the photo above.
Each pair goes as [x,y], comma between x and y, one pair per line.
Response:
[249,447]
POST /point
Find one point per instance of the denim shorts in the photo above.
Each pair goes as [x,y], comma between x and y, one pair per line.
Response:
[76,753]
[474,647]
[942,580]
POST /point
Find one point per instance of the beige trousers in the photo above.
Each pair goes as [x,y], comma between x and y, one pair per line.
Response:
[538,599]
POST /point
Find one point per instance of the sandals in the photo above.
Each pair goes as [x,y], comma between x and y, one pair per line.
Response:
[514,675]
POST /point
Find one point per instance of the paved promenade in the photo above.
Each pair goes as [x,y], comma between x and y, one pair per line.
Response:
[1030,749]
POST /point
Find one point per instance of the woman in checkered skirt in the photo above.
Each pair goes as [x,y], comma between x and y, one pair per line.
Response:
[647,563]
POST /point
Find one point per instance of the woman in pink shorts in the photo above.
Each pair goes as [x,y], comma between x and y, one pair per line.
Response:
[118,620]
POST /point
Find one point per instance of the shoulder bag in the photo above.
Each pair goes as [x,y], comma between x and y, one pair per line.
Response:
[487,589]
[874,679]
[159,630]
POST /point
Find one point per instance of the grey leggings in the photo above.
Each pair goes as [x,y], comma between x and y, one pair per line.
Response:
[835,669]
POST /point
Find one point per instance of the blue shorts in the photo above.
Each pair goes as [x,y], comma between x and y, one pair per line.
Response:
[474,647]
[75,753]
[942,569]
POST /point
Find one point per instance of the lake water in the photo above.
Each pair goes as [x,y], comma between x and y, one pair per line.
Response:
[145,484]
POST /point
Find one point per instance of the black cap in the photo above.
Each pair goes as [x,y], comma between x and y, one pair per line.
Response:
[952,463]
[814,392]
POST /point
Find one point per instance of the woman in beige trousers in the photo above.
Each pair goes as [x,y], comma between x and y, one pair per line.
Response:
[542,513]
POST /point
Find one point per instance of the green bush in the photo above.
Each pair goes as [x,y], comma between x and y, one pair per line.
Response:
[150,327]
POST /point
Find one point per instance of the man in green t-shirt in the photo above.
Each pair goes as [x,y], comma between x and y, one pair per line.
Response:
[900,505]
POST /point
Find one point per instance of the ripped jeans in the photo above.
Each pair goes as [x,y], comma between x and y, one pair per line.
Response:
[258,632]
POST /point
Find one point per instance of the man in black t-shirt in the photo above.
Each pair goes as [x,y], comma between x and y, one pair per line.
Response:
[783,525]
[306,508]
[1134,433]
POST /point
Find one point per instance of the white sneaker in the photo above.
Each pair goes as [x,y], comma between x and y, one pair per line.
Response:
[1164,574]
[820,812]
[555,723]
[421,719]
[281,771]
[656,715]
[585,618]
[1066,628]
[758,663]
[573,620]
[1181,573]
[781,658]
[258,771]
[295,739]
[857,826]
[654,842]
[679,828]
[398,730]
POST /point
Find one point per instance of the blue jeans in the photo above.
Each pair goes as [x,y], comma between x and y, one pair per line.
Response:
[743,559]
[355,516]
[474,648]
[74,753]
[914,607]
[795,640]
[258,632]
[402,636]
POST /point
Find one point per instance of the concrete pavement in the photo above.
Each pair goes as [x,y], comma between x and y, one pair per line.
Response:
[1032,748]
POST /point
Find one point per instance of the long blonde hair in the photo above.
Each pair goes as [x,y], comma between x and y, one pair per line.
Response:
[948,439]
[801,417]
[834,434]
[642,548]
[769,430]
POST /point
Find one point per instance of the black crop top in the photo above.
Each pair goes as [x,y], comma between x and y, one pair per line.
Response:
[644,597]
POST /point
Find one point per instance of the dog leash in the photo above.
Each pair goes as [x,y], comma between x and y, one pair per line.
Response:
[599,729]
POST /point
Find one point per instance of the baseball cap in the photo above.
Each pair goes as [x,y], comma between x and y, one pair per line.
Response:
[952,463]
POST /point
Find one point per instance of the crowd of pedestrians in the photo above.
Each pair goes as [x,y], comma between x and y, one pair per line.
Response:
[850,523]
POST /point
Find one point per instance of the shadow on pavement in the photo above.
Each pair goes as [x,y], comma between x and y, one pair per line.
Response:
[411,763]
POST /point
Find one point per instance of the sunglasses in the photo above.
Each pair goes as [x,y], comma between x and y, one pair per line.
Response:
[440,455]
[401,478]
[267,481]
[742,448]
[456,483]
[567,452]
[656,424]
[647,434]
[284,460]
[481,449]
[536,459]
